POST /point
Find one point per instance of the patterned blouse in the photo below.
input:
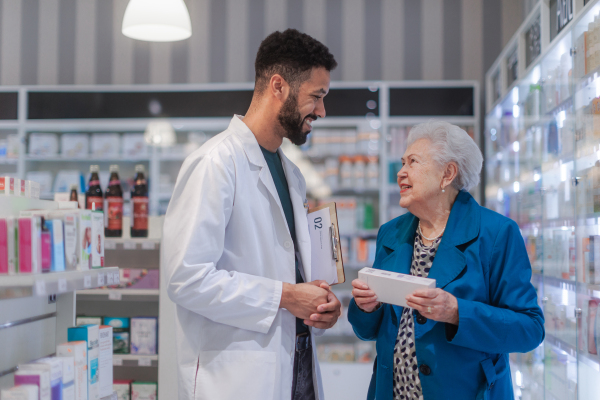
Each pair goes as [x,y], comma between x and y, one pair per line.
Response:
[407,384]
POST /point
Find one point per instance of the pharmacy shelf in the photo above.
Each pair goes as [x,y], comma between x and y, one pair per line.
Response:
[11,206]
[26,285]
[118,295]
[583,288]
[4,160]
[88,159]
[131,244]
[587,359]
[134,360]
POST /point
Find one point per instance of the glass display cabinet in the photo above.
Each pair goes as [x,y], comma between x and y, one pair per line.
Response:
[542,169]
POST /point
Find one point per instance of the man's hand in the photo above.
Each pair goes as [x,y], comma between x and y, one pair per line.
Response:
[302,299]
[328,313]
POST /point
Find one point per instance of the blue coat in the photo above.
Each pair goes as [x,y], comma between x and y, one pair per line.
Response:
[482,261]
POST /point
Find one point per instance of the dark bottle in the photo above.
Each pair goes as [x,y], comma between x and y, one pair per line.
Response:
[139,204]
[73,196]
[93,196]
[113,207]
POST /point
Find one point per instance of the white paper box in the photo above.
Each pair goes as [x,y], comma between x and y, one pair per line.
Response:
[35,374]
[134,145]
[7,185]
[105,145]
[22,392]
[105,360]
[123,391]
[143,335]
[68,377]
[43,144]
[42,178]
[78,351]
[143,391]
[97,221]
[56,371]
[75,145]
[392,287]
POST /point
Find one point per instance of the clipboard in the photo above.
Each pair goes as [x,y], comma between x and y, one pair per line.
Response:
[326,258]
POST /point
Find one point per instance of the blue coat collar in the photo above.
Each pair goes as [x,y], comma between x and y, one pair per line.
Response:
[462,227]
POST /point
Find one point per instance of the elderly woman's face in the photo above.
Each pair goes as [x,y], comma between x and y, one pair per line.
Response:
[420,177]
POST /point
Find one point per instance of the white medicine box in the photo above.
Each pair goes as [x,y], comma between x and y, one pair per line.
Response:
[43,144]
[75,145]
[392,287]
[106,145]
[134,145]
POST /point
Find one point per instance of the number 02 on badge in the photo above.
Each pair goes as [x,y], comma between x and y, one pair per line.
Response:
[326,251]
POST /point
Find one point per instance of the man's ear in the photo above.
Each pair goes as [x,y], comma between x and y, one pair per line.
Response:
[279,87]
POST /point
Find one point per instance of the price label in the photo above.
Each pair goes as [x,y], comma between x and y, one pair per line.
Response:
[117,361]
[114,295]
[110,280]
[110,245]
[129,245]
[144,362]
[62,285]
[87,281]
[101,279]
[40,288]
[148,245]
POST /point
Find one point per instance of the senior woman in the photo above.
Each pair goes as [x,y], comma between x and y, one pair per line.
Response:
[453,341]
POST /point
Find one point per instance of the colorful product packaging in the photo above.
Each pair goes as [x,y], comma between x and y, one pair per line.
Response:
[3,247]
[7,185]
[144,390]
[70,222]
[89,334]
[123,389]
[78,351]
[55,227]
[120,333]
[68,377]
[46,246]
[144,335]
[35,374]
[97,249]
[105,360]
[30,249]
[85,239]
[12,239]
[22,392]
[56,371]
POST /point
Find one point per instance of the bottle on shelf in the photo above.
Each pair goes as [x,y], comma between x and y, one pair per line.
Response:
[114,205]
[139,204]
[93,196]
[73,196]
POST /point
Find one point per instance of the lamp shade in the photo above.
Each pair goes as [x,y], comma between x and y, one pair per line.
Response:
[160,133]
[157,20]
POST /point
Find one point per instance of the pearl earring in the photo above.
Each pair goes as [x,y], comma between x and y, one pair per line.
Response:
[443,190]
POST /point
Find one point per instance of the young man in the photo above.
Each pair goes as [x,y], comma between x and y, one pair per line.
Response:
[236,244]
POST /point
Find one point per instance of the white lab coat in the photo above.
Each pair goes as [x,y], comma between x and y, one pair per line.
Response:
[226,251]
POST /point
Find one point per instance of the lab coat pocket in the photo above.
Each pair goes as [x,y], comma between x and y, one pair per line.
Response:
[236,375]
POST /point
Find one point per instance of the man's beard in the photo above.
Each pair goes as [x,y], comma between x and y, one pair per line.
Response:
[291,120]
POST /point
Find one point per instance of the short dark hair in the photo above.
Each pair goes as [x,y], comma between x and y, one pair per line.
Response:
[292,55]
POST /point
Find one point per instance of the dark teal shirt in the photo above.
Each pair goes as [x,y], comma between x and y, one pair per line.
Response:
[281,184]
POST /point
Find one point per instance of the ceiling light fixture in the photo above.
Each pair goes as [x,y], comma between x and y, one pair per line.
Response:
[157,20]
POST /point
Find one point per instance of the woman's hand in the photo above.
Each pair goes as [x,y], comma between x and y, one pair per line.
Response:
[434,304]
[365,298]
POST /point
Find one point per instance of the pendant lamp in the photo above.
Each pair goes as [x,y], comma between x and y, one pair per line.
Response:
[157,20]
[160,133]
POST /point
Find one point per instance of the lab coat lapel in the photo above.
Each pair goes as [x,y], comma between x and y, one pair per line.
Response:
[297,194]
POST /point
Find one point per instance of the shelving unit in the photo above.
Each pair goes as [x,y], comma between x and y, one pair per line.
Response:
[542,152]
[37,309]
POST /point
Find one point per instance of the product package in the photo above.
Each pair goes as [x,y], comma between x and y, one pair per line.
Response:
[3,247]
[134,145]
[30,249]
[123,389]
[79,321]
[35,374]
[75,145]
[22,392]
[12,240]
[120,333]
[46,246]
[144,390]
[89,334]
[105,145]
[97,255]
[56,371]
[134,278]
[55,227]
[85,239]
[144,335]
[105,360]
[391,287]
[7,185]
[78,351]
[43,144]
[68,377]
[19,188]
[42,178]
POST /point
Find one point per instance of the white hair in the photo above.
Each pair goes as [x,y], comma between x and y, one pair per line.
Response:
[451,144]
